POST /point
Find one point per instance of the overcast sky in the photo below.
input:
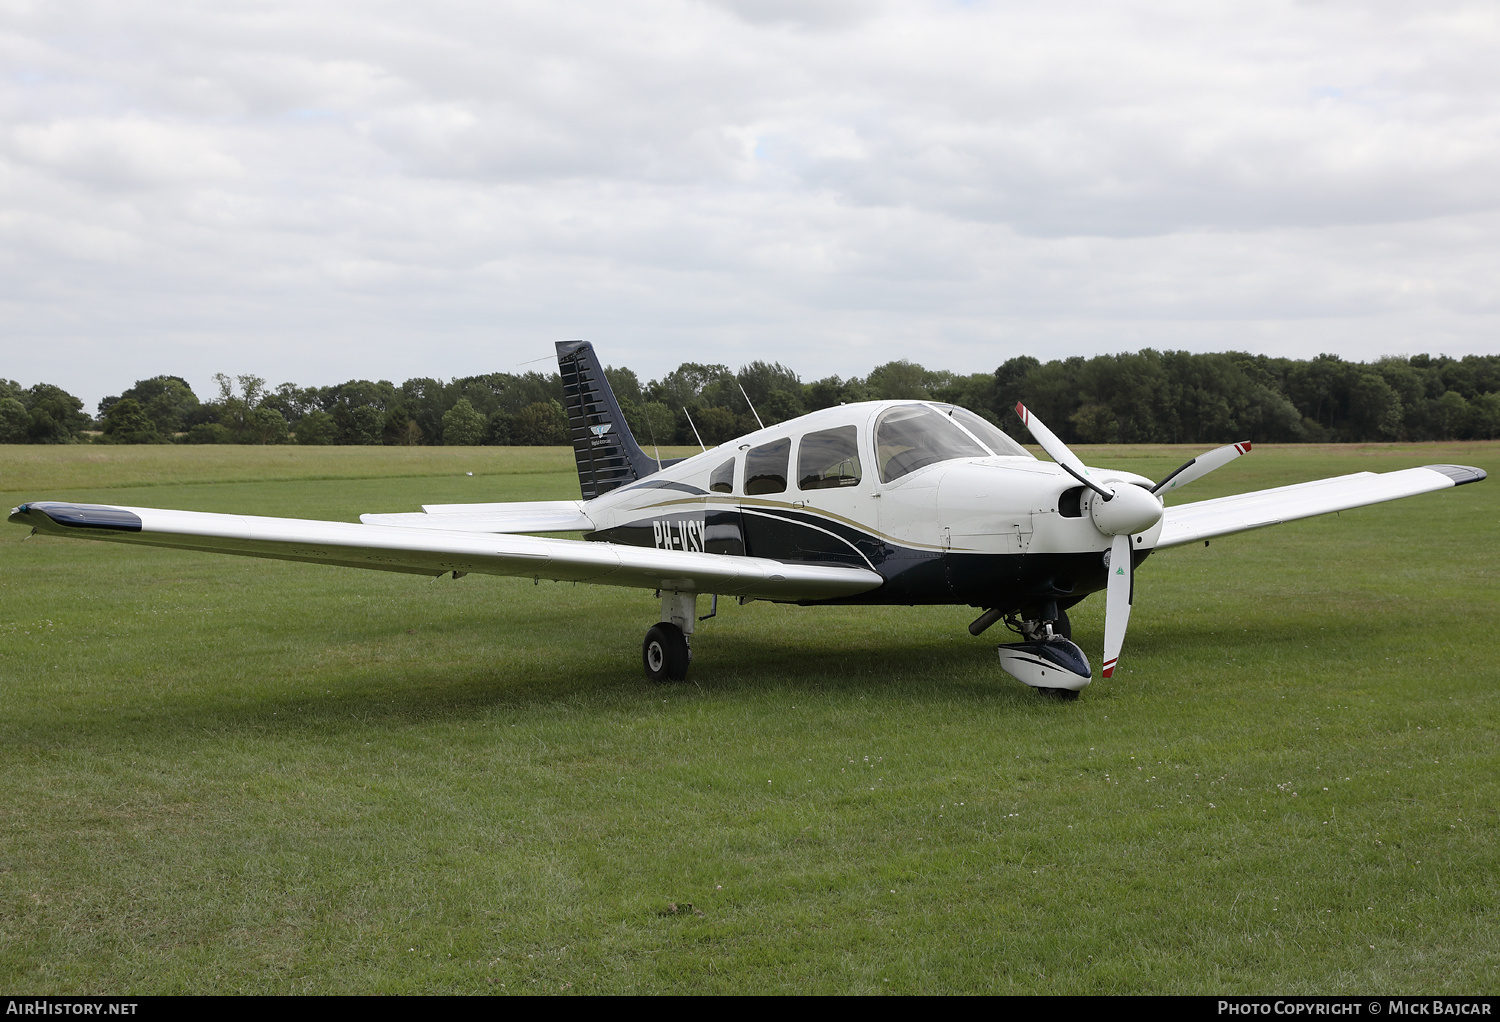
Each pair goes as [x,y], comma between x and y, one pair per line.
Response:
[318,192]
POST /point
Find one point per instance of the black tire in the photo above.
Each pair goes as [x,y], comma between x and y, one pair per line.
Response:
[665,653]
[1062,627]
[1067,695]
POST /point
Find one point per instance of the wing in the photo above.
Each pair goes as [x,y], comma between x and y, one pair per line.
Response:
[1205,519]
[436,551]
[520,516]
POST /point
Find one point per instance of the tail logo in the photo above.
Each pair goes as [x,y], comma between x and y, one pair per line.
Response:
[600,430]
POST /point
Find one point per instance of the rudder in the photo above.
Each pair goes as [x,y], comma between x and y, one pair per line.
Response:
[606,452]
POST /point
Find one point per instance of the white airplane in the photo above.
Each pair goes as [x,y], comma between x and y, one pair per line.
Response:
[882,502]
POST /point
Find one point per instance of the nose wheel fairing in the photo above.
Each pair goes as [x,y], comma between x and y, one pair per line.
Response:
[1048,664]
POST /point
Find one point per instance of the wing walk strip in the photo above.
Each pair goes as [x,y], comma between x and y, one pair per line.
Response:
[528,516]
[434,552]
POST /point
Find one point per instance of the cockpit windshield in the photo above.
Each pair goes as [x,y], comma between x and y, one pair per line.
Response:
[988,433]
[909,437]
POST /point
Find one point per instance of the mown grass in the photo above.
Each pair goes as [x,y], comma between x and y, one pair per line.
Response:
[227,775]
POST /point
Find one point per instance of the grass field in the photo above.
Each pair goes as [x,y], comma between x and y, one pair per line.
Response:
[226,775]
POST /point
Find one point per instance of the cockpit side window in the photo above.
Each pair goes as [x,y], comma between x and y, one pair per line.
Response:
[766,465]
[909,437]
[722,478]
[828,459]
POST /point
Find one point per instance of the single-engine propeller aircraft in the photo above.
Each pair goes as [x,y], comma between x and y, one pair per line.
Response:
[881,502]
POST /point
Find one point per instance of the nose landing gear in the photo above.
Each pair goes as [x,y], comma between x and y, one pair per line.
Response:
[1048,660]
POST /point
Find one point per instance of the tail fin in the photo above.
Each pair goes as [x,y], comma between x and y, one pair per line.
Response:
[607,454]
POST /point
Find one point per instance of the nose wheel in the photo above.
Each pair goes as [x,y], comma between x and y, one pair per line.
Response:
[665,653]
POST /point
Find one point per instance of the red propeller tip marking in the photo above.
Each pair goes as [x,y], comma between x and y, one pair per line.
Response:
[1021,411]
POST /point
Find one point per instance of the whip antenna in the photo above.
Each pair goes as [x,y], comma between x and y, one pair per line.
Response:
[753,412]
[694,425]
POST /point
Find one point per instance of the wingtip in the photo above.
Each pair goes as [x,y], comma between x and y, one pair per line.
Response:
[1460,474]
[50,515]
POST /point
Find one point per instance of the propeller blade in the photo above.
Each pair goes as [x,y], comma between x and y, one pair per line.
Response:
[1058,451]
[1118,598]
[1201,466]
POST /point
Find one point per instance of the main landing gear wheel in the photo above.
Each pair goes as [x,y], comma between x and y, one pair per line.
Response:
[665,653]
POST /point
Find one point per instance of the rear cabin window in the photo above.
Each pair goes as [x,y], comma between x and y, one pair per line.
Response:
[909,437]
[722,479]
[765,467]
[828,459]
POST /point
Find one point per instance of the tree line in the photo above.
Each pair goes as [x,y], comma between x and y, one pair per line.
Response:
[1147,396]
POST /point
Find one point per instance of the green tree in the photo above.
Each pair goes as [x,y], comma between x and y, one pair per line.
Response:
[398,430]
[292,401]
[779,406]
[1010,381]
[1454,416]
[540,424]
[463,426]
[681,387]
[657,426]
[210,433]
[316,428]
[426,400]
[14,421]
[365,425]
[625,383]
[716,424]
[167,400]
[497,431]
[899,381]
[1095,424]
[266,425]
[56,416]
[1374,408]
[762,379]
[831,391]
[1486,416]
[128,423]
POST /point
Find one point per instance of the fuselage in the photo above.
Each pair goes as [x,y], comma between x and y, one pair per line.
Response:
[943,505]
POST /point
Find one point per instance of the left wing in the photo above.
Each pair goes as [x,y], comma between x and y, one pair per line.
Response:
[429,551]
[1205,519]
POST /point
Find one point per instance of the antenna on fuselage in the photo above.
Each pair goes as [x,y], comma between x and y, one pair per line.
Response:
[694,425]
[753,412]
[652,431]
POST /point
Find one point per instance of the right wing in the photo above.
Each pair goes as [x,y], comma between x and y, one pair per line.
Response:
[1205,519]
[430,551]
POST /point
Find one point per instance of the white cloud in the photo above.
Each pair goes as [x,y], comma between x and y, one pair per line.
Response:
[315,192]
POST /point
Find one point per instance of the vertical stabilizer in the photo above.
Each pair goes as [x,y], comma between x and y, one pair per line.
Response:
[607,454]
